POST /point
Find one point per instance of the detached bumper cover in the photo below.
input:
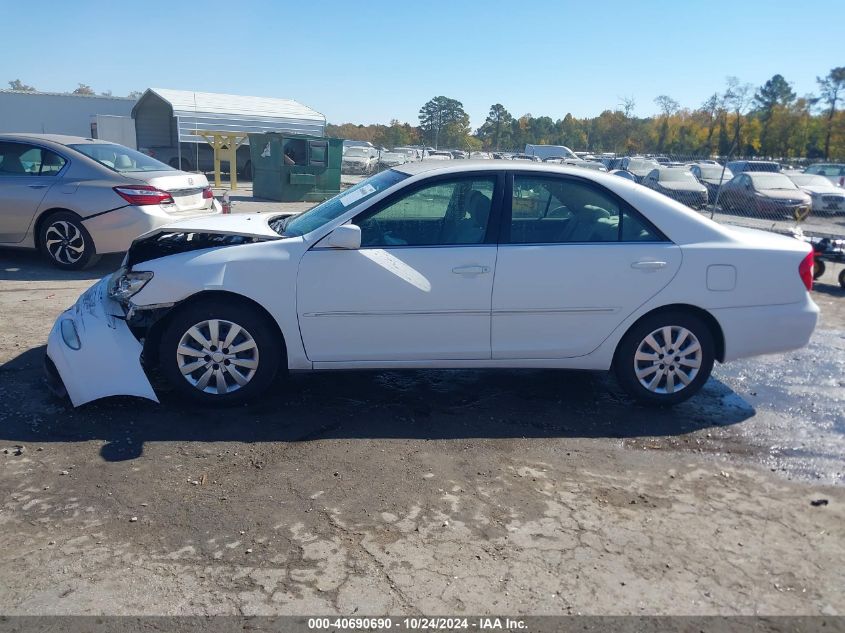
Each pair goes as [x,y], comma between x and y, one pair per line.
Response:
[108,359]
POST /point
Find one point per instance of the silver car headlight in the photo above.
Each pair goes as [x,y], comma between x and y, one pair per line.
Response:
[125,284]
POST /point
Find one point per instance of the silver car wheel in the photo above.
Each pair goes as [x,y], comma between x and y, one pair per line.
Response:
[668,359]
[217,356]
[64,242]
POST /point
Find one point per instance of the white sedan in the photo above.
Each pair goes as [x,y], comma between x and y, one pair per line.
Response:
[440,265]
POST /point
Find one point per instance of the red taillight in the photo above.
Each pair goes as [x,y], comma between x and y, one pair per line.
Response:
[207,193]
[143,194]
[805,270]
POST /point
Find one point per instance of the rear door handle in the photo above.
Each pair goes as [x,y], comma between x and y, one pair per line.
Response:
[471,270]
[37,186]
[648,265]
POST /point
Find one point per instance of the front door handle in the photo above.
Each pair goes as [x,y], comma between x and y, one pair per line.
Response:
[648,265]
[37,186]
[471,270]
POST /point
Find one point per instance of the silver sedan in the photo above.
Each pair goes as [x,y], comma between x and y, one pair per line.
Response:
[76,198]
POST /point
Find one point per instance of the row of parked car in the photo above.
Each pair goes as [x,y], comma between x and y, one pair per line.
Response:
[758,186]
[762,187]
[364,158]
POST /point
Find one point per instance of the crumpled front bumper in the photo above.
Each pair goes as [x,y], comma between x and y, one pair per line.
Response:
[108,359]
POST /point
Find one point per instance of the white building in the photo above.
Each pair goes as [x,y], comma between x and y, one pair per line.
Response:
[57,113]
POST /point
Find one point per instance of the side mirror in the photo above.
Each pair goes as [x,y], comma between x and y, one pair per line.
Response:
[346,236]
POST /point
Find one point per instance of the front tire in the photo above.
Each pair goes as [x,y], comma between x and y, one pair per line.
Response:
[66,242]
[665,358]
[220,353]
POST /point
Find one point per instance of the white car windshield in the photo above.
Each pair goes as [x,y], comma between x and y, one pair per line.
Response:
[120,158]
[768,180]
[676,175]
[642,165]
[333,208]
[714,172]
[356,151]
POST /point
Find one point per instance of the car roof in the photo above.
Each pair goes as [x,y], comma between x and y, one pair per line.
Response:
[61,139]
[463,166]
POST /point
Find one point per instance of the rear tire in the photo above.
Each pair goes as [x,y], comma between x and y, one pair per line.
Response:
[818,269]
[665,358]
[220,352]
[842,278]
[66,243]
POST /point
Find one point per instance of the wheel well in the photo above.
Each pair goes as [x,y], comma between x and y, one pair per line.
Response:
[153,334]
[44,217]
[704,315]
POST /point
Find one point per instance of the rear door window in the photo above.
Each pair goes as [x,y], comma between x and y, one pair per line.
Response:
[549,210]
[21,159]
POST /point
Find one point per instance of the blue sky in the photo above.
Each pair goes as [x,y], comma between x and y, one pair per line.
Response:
[374,60]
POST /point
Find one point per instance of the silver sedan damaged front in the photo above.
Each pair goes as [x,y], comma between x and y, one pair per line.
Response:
[92,353]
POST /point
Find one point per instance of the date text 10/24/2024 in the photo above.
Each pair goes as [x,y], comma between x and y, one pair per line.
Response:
[417,624]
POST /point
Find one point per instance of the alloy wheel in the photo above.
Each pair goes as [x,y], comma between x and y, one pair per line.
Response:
[217,356]
[668,359]
[65,242]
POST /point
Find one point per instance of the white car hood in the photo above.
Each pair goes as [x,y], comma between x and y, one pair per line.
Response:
[247,224]
[822,190]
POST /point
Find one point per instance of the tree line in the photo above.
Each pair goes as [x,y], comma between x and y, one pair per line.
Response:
[81,89]
[740,120]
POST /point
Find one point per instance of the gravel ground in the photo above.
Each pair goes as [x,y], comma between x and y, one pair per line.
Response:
[431,492]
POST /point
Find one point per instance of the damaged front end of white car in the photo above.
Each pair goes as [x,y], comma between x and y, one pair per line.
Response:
[96,347]
[91,351]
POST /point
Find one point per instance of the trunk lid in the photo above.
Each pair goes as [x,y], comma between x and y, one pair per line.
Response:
[185,188]
[766,239]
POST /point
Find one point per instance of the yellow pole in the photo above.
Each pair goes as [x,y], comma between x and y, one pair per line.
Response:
[225,146]
[215,143]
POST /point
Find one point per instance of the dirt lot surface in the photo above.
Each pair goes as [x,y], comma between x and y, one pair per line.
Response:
[522,492]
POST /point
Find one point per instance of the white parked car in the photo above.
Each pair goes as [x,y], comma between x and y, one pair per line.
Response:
[826,197]
[392,159]
[441,265]
[359,160]
[411,153]
[436,155]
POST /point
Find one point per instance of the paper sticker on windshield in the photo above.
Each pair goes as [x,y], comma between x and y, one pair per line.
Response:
[355,196]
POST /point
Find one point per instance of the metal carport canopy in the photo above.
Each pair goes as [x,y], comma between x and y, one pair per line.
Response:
[235,113]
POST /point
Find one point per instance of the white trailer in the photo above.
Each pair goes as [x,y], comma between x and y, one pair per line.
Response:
[118,129]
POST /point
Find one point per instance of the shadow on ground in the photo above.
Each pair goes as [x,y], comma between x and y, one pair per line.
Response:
[28,265]
[428,405]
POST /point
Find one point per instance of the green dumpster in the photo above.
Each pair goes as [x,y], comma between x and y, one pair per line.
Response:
[295,168]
